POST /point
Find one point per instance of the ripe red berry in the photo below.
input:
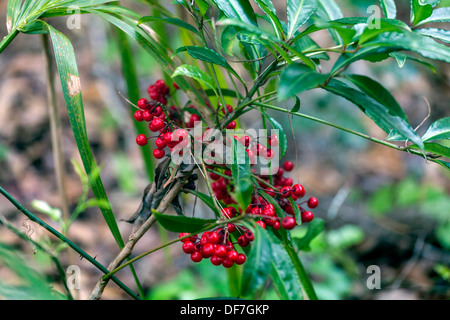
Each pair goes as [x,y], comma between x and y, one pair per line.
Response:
[168,137]
[158,153]
[154,95]
[196,256]
[288,223]
[313,202]
[249,235]
[147,116]
[243,241]
[288,166]
[143,104]
[160,143]
[188,247]
[228,212]
[141,140]
[241,259]
[245,141]
[231,125]
[276,225]
[288,182]
[232,255]
[307,216]
[269,154]
[298,190]
[208,250]
[138,115]
[217,261]
[261,223]
[158,111]
[213,237]
[285,192]
[231,227]
[220,251]
[227,263]
[273,140]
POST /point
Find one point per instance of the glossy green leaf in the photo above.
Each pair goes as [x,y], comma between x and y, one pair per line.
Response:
[315,227]
[182,223]
[378,112]
[240,172]
[375,90]
[203,6]
[281,134]
[439,34]
[297,212]
[435,149]
[298,12]
[438,15]
[269,10]
[389,8]
[196,73]
[297,78]
[420,11]
[237,9]
[439,129]
[329,10]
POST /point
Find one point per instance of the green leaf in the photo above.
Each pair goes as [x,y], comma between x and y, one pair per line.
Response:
[259,260]
[174,21]
[267,4]
[438,15]
[267,7]
[439,129]
[237,9]
[71,86]
[297,105]
[240,172]
[285,281]
[196,73]
[298,12]
[439,34]
[420,11]
[315,227]
[297,78]
[329,10]
[297,212]
[182,223]
[389,8]
[375,90]
[379,113]
[203,6]
[345,237]
[281,134]
[435,149]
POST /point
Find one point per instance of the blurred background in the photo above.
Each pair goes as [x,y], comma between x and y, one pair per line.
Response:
[381,207]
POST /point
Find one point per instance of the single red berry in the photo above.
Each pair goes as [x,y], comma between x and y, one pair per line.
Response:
[288,166]
[160,143]
[157,124]
[288,182]
[242,241]
[288,223]
[249,235]
[261,224]
[157,111]
[147,116]
[232,255]
[208,250]
[313,202]
[138,115]
[307,216]
[183,234]
[160,84]
[269,221]
[220,251]
[188,247]
[231,227]
[298,190]
[256,211]
[228,212]
[141,140]
[227,263]
[154,95]
[217,261]
[196,256]
[276,225]
[241,259]
[285,192]
[229,109]
[168,137]
[269,154]
[213,237]
[143,104]
[273,140]
[232,125]
[279,172]
[158,153]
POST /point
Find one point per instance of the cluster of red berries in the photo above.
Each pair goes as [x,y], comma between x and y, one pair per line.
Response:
[217,244]
[161,121]
[255,148]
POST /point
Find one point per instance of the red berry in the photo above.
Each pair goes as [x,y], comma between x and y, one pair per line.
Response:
[147,116]
[269,154]
[232,255]
[245,141]
[243,241]
[182,234]
[241,259]
[285,192]
[276,225]
[158,111]
[154,95]
[141,140]
[231,227]
[188,247]
[228,212]
[217,261]
[288,166]
[158,153]
[261,223]
[196,256]
[143,104]
[227,263]
[231,125]
[313,202]
[220,251]
[208,250]
[213,237]
[298,190]
[160,143]
[273,140]
[288,223]
[168,137]
[288,182]
[176,86]
[157,124]
[138,115]
[249,235]
[160,84]
[307,216]
[269,221]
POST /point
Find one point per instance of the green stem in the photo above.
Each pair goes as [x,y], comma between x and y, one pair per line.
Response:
[7,39]
[304,278]
[64,239]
